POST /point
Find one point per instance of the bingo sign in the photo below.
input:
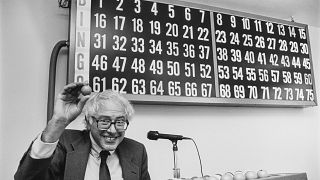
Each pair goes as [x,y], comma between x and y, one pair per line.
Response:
[173,52]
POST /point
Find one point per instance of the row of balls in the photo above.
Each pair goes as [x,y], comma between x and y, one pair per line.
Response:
[238,175]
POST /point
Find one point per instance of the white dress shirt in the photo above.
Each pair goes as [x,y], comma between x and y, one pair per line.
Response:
[42,150]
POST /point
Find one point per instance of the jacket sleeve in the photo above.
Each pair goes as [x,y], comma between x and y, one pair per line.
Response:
[51,168]
[144,167]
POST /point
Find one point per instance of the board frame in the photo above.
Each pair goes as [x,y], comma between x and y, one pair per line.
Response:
[216,101]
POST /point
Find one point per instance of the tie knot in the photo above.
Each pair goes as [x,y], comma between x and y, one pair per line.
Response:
[104,155]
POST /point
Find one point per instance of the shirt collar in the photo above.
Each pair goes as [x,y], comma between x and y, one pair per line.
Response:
[96,149]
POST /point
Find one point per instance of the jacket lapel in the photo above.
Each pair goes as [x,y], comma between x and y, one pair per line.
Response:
[130,170]
[77,159]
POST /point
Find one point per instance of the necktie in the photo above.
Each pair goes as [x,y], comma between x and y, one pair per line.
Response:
[104,173]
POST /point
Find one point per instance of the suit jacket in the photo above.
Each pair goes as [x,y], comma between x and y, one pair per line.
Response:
[70,159]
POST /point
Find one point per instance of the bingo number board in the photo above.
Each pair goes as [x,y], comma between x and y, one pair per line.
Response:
[174,52]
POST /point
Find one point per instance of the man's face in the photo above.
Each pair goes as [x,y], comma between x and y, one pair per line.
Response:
[107,139]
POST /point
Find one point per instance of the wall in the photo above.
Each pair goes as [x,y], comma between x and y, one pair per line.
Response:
[1,76]
[229,138]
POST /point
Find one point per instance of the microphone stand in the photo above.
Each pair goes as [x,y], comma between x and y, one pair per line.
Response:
[176,170]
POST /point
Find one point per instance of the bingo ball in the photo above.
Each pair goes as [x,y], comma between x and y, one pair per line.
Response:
[86,90]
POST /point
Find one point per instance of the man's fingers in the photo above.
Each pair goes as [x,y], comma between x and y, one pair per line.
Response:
[72,88]
[83,101]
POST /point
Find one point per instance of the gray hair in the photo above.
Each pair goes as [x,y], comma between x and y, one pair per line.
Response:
[99,99]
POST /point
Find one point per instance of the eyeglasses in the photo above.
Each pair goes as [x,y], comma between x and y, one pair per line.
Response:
[120,123]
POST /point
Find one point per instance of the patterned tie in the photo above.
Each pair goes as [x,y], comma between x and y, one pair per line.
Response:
[104,173]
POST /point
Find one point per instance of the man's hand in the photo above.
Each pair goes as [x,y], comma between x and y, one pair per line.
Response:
[69,104]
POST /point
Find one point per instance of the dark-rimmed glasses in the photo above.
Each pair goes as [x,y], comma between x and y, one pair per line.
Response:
[120,123]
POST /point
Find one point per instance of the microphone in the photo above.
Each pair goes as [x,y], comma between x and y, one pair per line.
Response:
[155,135]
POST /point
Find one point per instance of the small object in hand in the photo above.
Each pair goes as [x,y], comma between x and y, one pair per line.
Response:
[86,90]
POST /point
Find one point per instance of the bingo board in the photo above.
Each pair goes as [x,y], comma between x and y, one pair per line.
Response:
[174,52]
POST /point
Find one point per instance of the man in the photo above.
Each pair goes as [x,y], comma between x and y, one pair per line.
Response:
[73,155]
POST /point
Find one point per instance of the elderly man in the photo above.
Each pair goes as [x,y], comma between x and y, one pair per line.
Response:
[99,153]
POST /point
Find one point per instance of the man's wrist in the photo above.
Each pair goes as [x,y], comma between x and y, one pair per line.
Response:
[53,131]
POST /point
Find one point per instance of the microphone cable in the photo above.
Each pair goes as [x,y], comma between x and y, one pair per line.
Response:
[198,155]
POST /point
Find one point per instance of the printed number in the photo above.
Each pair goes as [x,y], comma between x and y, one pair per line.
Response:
[246,23]
[253,92]
[155,47]
[173,48]
[137,9]
[222,54]
[223,72]
[221,36]
[259,41]
[286,77]
[137,25]
[171,11]
[138,45]
[172,30]
[206,89]
[304,48]
[101,41]
[138,86]
[138,65]
[174,88]
[189,50]
[271,43]
[119,43]
[292,31]
[156,87]
[155,27]
[281,30]
[258,25]
[302,34]
[100,62]
[156,67]
[263,75]
[204,52]
[234,38]
[191,89]
[154,9]
[190,70]
[236,55]
[306,63]
[293,47]
[119,22]
[203,34]
[269,27]
[239,91]
[188,32]
[203,13]
[119,63]
[277,93]
[247,40]
[225,90]
[283,45]
[205,71]
[187,14]
[119,85]
[99,84]
[219,19]
[173,68]
[101,21]
[251,74]
[237,73]
[119,7]
[233,21]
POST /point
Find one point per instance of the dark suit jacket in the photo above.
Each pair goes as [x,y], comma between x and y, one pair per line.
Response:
[70,159]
